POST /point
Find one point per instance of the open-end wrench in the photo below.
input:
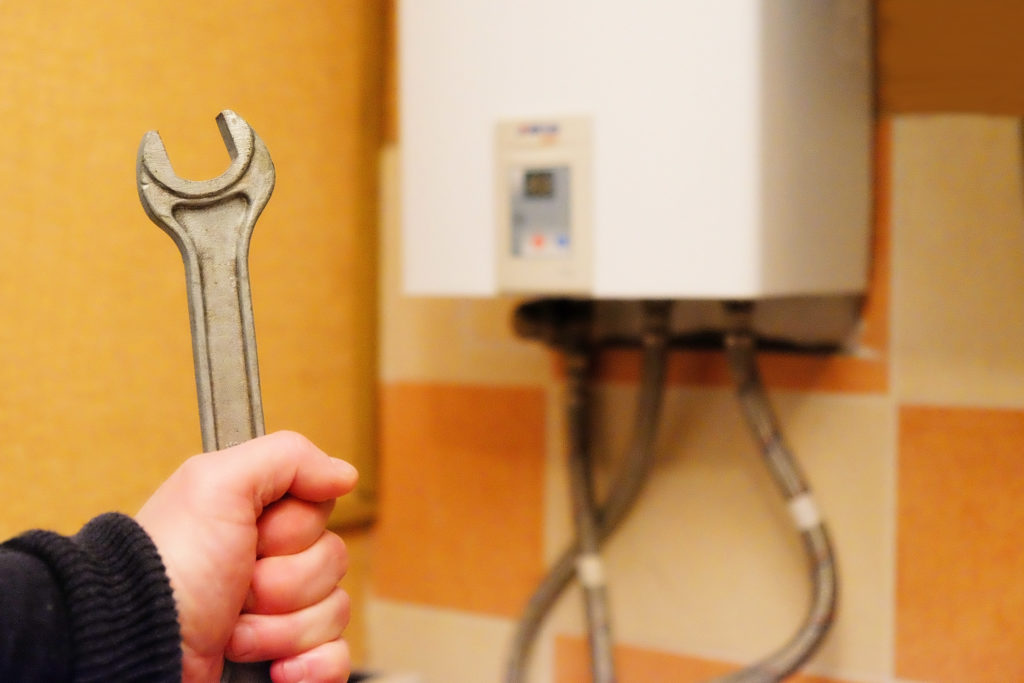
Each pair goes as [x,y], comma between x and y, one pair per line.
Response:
[211,221]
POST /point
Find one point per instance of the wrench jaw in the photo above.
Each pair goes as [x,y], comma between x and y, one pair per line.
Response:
[251,176]
[240,140]
[232,129]
[156,175]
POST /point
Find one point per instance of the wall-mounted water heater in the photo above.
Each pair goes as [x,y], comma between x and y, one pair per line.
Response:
[683,149]
[592,153]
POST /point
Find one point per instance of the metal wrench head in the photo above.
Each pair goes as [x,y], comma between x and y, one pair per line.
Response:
[250,175]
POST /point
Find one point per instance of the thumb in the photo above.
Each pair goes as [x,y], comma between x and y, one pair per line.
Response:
[268,467]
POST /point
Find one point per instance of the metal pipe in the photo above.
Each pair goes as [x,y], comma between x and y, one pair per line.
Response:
[740,345]
[624,491]
[589,565]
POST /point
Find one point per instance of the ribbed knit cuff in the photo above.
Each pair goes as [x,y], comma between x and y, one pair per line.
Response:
[124,625]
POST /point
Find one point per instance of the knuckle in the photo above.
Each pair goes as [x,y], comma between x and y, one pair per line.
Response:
[192,467]
[197,475]
[334,545]
[256,583]
[340,555]
[331,556]
[342,609]
[293,442]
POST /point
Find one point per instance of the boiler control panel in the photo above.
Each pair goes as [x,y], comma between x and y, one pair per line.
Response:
[543,209]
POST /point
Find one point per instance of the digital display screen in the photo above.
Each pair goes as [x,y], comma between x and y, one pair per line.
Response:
[540,184]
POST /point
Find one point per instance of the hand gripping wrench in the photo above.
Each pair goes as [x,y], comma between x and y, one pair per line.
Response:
[211,221]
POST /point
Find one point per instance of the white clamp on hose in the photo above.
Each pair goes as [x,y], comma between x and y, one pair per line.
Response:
[804,511]
[590,570]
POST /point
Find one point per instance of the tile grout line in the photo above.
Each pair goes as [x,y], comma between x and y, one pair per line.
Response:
[892,519]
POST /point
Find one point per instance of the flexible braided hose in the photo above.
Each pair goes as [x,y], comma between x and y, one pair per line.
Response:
[741,353]
[624,492]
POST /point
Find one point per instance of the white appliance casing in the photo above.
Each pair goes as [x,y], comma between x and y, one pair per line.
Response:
[731,141]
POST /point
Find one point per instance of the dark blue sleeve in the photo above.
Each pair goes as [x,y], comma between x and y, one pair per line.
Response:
[91,608]
[35,640]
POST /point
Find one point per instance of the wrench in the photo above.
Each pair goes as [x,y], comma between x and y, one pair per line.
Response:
[211,221]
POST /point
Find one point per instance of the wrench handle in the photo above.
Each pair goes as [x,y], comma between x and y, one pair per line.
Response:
[223,345]
[258,672]
[226,367]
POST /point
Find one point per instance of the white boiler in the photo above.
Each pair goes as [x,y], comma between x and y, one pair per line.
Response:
[679,149]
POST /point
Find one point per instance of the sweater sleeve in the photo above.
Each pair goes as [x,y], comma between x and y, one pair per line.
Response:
[94,607]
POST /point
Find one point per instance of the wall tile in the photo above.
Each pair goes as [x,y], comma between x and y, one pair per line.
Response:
[945,55]
[636,665]
[831,373]
[958,291]
[440,645]
[709,563]
[461,504]
[961,534]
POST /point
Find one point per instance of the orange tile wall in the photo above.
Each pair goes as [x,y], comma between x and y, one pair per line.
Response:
[462,471]
[635,665]
[960,590]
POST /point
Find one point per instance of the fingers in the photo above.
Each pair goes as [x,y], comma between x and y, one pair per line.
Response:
[286,462]
[259,637]
[291,582]
[327,663]
[291,525]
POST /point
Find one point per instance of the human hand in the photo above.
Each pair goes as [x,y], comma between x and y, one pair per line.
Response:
[243,530]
